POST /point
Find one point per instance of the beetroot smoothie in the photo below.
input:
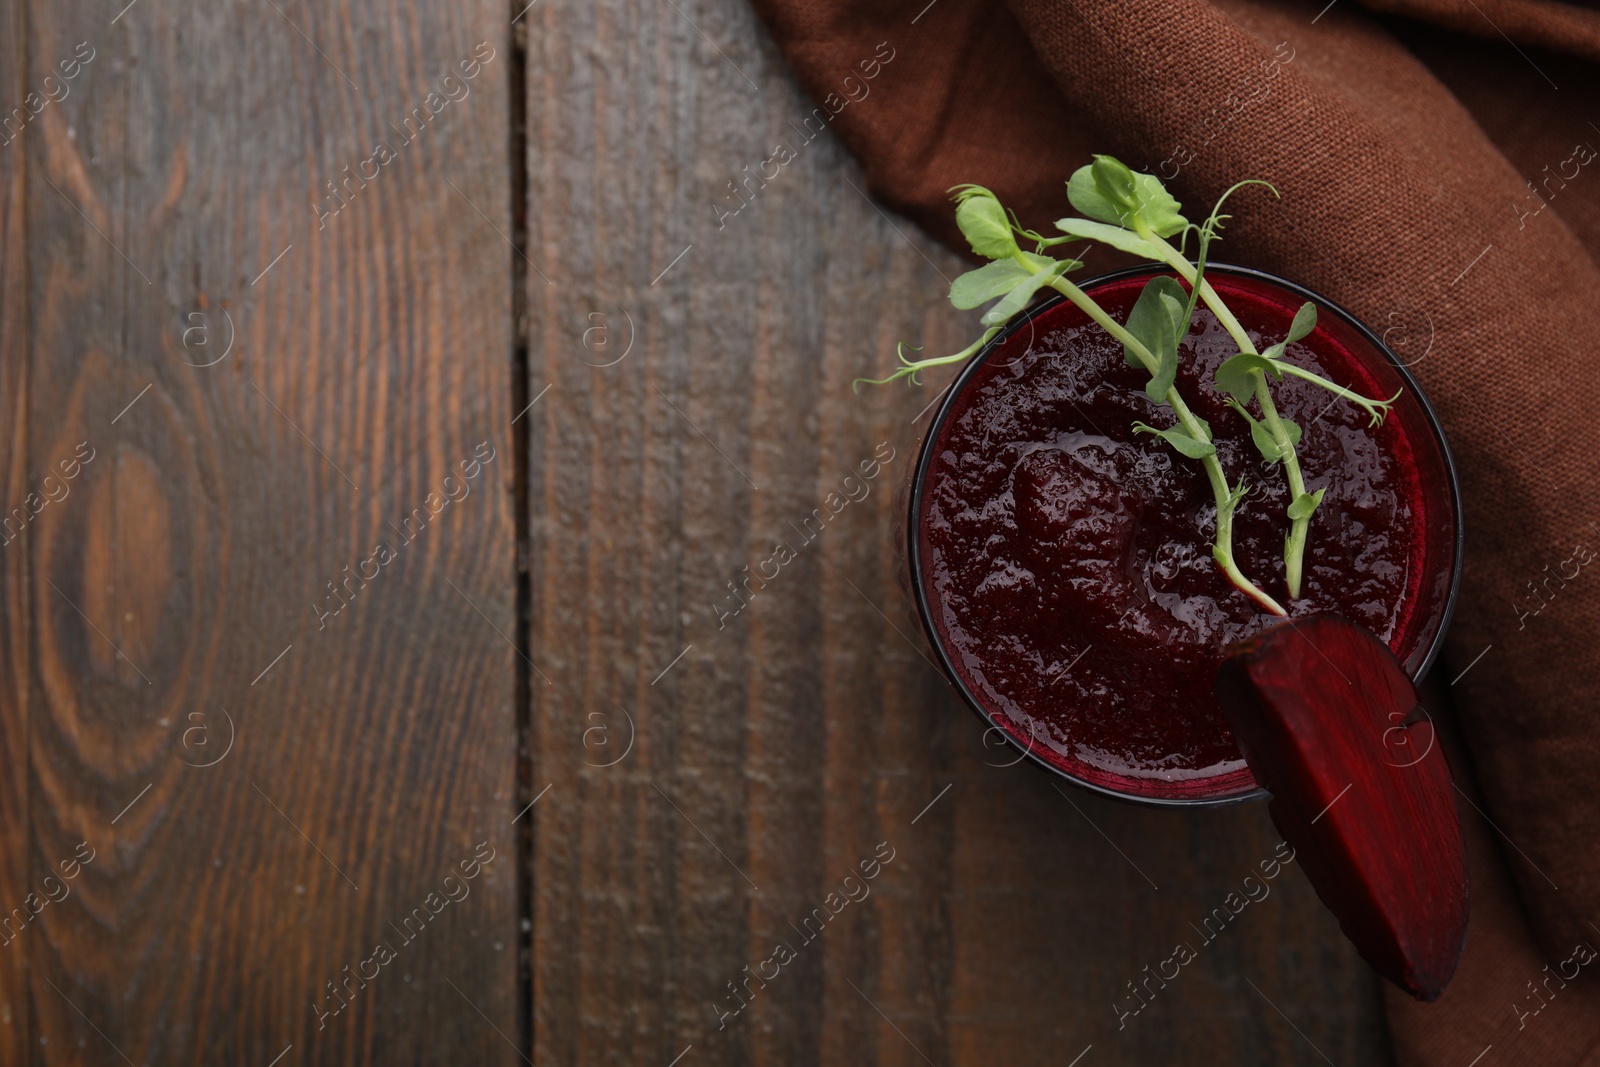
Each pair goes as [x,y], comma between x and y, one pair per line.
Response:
[1063,563]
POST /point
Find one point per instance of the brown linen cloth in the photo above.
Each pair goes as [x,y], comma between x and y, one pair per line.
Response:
[1438,180]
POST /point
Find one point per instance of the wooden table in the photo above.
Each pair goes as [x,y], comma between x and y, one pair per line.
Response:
[376,692]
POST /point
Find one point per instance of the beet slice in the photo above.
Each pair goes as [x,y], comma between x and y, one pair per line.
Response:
[1331,725]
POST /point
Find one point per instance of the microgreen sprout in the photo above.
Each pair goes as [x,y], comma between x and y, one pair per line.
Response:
[1134,213]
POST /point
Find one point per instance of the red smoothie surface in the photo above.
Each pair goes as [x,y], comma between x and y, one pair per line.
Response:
[1066,561]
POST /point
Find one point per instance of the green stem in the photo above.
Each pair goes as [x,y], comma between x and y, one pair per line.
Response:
[1222,550]
[912,368]
[1375,409]
[1294,546]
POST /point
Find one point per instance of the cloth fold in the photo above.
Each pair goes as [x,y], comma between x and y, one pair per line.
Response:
[1438,169]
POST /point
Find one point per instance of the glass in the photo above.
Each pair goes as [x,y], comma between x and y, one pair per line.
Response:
[1342,344]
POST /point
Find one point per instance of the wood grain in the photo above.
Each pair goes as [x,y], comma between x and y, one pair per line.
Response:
[774,750]
[167,600]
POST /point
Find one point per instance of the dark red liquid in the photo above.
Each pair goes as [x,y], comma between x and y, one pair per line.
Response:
[1067,561]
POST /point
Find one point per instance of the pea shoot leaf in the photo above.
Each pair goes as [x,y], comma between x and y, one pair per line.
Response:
[985,225]
[1179,440]
[1159,209]
[1305,504]
[1157,322]
[1305,320]
[1236,376]
[1264,442]
[1087,198]
[1108,191]
[1115,236]
[1267,445]
[1292,428]
[1114,179]
[1024,290]
[992,281]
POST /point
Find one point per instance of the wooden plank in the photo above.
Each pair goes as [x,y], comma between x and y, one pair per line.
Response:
[16,855]
[177,594]
[774,749]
